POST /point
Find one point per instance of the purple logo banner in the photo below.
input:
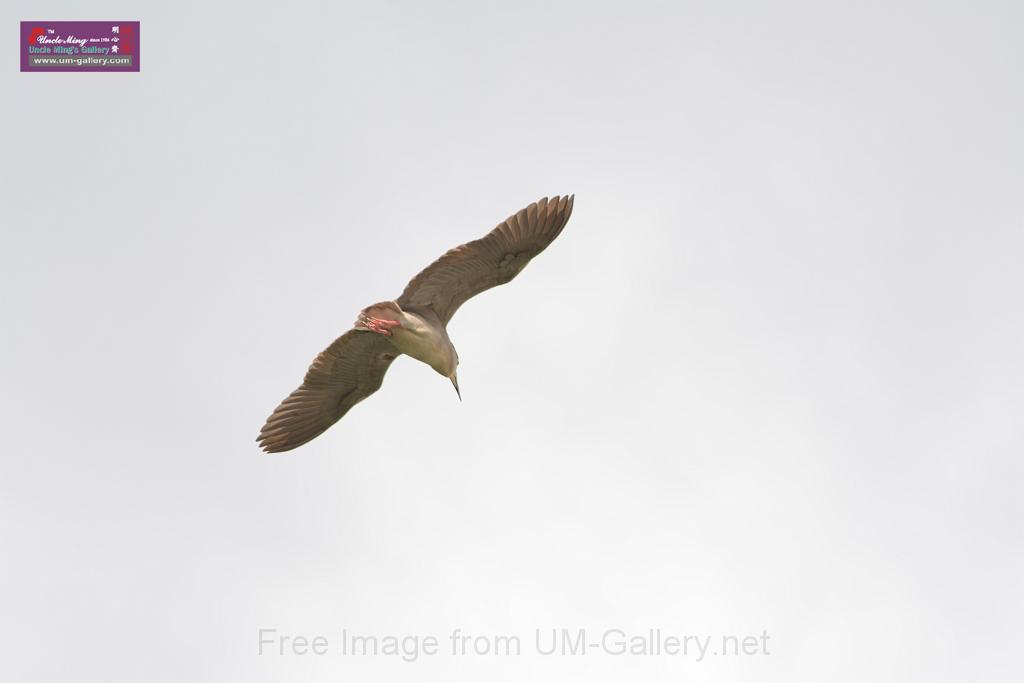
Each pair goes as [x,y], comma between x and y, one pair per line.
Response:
[79,46]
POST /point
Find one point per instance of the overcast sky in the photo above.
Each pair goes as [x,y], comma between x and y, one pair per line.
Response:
[768,379]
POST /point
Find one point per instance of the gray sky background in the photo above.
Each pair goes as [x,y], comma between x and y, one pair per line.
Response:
[769,377]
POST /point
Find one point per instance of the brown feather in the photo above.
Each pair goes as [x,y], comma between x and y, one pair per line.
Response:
[492,260]
[342,375]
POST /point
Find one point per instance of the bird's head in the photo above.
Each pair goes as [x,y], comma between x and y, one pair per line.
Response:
[454,377]
[455,383]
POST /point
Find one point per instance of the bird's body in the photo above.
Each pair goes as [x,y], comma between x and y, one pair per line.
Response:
[415,324]
[420,335]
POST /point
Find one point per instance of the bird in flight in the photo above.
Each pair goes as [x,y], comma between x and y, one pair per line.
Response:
[415,324]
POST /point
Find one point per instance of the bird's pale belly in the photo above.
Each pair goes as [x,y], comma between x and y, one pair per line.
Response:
[425,343]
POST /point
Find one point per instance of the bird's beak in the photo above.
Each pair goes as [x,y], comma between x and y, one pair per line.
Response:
[455,383]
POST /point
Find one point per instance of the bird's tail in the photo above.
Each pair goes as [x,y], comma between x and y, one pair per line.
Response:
[384,310]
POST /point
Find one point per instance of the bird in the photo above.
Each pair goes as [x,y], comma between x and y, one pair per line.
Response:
[415,324]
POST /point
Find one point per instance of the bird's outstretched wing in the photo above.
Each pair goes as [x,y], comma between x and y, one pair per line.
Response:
[492,260]
[342,375]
